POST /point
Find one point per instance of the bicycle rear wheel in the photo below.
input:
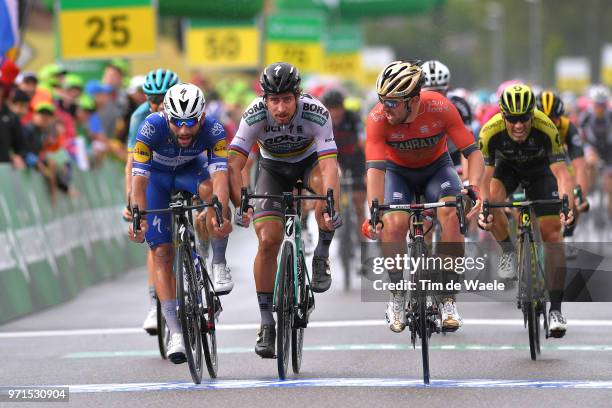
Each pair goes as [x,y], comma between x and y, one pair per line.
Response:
[189,314]
[284,310]
[208,324]
[163,332]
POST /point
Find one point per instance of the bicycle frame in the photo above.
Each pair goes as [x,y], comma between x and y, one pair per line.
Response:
[292,234]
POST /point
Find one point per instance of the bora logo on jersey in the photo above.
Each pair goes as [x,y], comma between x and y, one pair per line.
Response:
[142,153]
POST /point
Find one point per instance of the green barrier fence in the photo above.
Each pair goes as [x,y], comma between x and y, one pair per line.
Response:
[49,253]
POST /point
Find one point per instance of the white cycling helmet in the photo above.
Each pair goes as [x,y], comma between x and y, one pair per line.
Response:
[437,75]
[599,94]
[184,101]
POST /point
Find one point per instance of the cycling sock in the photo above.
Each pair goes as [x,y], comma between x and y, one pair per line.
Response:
[265,307]
[507,245]
[218,249]
[556,297]
[169,311]
[325,239]
[203,247]
[152,295]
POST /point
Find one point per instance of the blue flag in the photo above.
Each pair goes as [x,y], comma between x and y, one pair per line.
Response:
[9,27]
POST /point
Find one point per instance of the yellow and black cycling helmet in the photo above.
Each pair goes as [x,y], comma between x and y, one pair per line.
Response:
[400,79]
[550,103]
[516,100]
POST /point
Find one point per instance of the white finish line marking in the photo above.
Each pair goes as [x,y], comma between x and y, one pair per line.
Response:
[336,382]
[255,326]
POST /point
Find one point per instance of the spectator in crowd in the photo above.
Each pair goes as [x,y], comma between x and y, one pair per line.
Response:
[72,90]
[45,148]
[136,97]
[11,137]
[89,130]
[27,82]
[19,102]
[109,112]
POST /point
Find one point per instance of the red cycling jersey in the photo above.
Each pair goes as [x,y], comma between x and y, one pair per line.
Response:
[420,142]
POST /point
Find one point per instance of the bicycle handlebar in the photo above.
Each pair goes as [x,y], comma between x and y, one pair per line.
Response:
[178,208]
[486,205]
[287,199]
[459,204]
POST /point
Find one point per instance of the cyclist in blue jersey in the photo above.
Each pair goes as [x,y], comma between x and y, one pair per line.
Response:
[167,156]
[157,83]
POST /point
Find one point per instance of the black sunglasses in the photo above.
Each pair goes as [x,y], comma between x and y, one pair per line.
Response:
[155,99]
[526,117]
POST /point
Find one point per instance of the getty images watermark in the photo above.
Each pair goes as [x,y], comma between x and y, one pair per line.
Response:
[471,271]
[436,266]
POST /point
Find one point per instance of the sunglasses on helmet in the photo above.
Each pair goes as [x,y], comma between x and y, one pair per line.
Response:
[526,117]
[191,122]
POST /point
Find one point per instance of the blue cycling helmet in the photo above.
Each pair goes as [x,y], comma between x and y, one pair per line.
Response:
[158,81]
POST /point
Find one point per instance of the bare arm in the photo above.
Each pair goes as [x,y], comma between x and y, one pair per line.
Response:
[236,163]
[582,179]
[329,172]
[564,181]
[139,192]
[476,169]
[128,177]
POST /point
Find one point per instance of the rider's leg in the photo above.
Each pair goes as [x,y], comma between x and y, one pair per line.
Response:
[321,280]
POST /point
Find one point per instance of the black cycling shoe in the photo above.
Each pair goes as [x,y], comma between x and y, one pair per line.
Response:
[266,341]
[321,274]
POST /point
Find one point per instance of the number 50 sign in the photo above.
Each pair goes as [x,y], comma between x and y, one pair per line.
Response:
[110,28]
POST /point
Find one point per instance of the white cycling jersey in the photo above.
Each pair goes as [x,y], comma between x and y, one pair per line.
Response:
[309,131]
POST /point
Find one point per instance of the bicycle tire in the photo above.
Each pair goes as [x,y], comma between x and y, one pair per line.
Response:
[189,315]
[284,310]
[423,329]
[208,325]
[163,332]
[346,247]
[297,333]
[528,306]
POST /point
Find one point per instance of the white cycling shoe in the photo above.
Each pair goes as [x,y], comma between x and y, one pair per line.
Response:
[222,279]
[396,312]
[176,349]
[557,325]
[451,319]
[150,322]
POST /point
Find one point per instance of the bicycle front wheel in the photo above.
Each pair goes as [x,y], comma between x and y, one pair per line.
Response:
[419,250]
[188,310]
[528,265]
[208,325]
[297,332]
[284,310]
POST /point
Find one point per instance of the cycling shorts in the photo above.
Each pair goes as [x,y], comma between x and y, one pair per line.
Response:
[276,177]
[159,190]
[539,183]
[437,180]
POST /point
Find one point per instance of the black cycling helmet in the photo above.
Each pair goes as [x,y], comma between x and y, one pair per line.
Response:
[280,77]
[332,98]
[550,103]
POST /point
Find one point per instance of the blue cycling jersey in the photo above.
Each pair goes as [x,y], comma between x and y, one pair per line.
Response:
[139,115]
[156,149]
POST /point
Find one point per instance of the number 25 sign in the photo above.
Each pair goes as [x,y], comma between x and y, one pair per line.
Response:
[110,28]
